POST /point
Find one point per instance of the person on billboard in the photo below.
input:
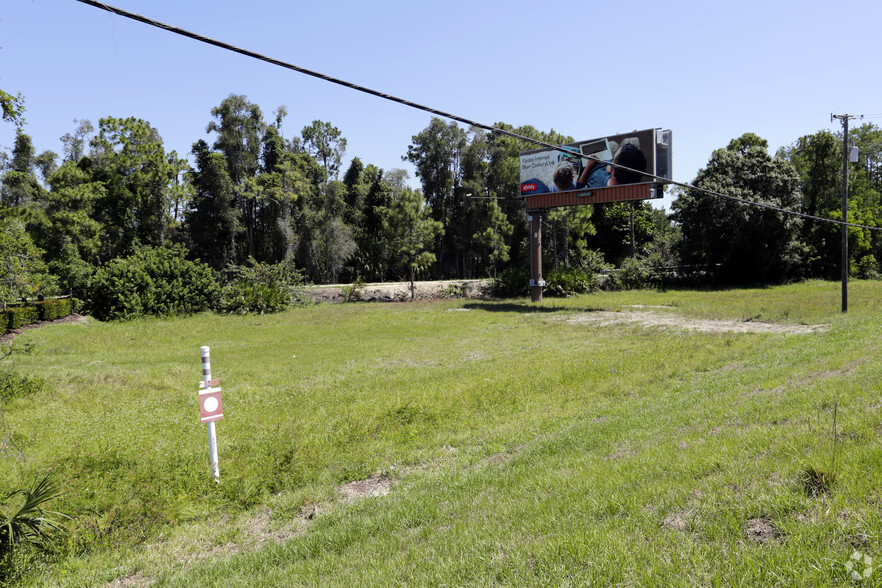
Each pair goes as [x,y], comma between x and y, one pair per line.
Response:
[630,156]
[594,175]
[563,177]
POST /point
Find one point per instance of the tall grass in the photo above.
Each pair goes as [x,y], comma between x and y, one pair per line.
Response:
[523,447]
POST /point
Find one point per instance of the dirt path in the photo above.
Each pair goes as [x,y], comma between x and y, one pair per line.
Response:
[73,319]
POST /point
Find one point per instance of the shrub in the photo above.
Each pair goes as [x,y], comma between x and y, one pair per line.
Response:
[13,384]
[867,268]
[49,310]
[593,261]
[562,282]
[569,281]
[156,281]
[453,291]
[242,297]
[511,283]
[635,274]
[18,316]
[45,310]
[352,293]
[261,288]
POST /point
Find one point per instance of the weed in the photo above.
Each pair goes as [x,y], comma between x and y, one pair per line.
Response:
[453,291]
[352,293]
[820,479]
[817,480]
[859,567]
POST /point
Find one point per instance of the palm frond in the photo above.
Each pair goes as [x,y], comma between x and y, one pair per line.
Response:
[29,524]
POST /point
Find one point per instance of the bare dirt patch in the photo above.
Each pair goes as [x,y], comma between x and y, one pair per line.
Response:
[379,486]
[622,451]
[260,529]
[761,531]
[496,459]
[665,320]
[675,522]
[846,370]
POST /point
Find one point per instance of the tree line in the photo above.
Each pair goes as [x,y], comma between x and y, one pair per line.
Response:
[250,196]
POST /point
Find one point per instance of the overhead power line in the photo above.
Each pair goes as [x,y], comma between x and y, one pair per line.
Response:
[466,121]
[770,207]
[303,70]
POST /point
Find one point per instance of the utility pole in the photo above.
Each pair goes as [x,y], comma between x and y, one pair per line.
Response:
[844,118]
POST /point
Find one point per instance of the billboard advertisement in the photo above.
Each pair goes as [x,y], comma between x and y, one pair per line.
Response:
[583,165]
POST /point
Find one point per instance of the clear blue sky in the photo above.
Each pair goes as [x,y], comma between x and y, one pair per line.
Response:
[709,71]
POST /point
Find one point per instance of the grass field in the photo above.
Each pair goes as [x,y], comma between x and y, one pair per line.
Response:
[466,442]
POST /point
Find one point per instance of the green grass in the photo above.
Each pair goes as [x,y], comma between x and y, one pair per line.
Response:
[523,448]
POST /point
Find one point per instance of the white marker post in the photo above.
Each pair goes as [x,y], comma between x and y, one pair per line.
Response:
[210,409]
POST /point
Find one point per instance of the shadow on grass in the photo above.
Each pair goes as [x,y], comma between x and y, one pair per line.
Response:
[523,307]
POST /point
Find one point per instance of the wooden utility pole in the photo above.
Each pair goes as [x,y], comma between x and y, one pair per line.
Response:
[844,118]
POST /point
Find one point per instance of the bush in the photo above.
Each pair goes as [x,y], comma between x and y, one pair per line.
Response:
[49,310]
[511,283]
[44,310]
[242,297]
[515,282]
[19,316]
[453,291]
[867,268]
[634,274]
[157,281]
[13,384]
[74,273]
[569,281]
[261,288]
[353,292]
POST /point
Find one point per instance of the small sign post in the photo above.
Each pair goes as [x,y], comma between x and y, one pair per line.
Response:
[210,409]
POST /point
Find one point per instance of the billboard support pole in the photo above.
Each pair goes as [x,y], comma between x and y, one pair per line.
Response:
[536,281]
[631,206]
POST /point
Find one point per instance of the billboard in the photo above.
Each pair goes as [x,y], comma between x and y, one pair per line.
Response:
[582,166]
